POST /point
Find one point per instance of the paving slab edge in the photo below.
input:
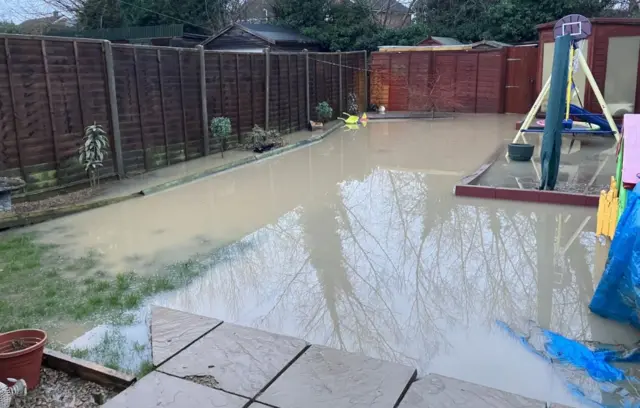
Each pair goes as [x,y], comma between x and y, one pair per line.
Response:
[36,217]
[237,163]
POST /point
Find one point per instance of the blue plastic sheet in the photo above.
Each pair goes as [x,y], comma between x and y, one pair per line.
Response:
[617,296]
[593,372]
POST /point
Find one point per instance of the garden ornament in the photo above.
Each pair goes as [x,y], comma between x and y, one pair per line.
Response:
[19,389]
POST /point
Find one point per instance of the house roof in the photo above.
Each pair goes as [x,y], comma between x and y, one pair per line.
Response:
[394,7]
[38,25]
[446,40]
[268,32]
[490,43]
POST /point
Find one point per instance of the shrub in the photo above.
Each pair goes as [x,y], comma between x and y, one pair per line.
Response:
[324,111]
[220,130]
[352,104]
[93,151]
[260,140]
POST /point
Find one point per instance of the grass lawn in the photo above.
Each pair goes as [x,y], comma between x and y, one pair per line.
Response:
[39,288]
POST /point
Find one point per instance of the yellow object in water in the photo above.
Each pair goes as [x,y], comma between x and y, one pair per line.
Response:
[351,119]
[608,211]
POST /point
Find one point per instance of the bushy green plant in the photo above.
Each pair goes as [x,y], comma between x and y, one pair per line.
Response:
[93,151]
[324,112]
[220,130]
[260,140]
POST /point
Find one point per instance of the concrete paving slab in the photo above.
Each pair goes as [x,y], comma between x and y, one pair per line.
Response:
[436,391]
[158,390]
[236,359]
[325,377]
[172,330]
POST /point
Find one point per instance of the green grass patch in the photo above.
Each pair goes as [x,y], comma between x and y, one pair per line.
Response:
[39,288]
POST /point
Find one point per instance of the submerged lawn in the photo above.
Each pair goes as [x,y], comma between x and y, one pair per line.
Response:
[40,289]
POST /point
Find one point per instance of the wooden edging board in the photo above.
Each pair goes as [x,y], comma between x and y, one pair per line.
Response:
[86,370]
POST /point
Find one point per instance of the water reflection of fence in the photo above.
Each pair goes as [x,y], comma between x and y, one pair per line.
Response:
[154,102]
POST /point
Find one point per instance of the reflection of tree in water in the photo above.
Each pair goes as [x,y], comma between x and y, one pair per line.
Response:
[388,265]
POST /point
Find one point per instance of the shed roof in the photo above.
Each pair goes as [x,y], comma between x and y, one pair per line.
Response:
[268,32]
[490,43]
[446,40]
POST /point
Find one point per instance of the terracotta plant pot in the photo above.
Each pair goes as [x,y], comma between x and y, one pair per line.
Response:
[21,356]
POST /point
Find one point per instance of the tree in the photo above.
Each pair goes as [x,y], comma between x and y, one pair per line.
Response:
[7,27]
[211,15]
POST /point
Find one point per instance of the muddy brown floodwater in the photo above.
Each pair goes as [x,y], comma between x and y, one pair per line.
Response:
[357,242]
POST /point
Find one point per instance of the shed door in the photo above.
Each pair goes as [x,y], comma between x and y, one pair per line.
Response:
[522,65]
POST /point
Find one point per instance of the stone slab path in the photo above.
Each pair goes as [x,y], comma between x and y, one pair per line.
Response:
[204,363]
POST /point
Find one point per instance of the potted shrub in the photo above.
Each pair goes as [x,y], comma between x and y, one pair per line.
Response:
[21,356]
[324,112]
[93,151]
[220,130]
[261,140]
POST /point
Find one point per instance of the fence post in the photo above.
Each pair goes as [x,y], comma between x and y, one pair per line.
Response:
[52,120]
[341,103]
[267,72]
[16,123]
[113,107]
[203,97]
[306,69]
[366,82]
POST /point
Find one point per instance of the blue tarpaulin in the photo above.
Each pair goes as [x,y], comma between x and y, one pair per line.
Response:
[592,371]
[617,296]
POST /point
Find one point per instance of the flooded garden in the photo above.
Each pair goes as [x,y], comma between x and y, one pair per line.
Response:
[355,242]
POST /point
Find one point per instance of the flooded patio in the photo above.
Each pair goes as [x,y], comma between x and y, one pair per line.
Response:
[358,243]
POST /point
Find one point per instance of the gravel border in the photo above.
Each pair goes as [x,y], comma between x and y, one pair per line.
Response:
[59,390]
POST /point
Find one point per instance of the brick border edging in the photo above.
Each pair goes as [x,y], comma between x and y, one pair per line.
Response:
[465,188]
[531,196]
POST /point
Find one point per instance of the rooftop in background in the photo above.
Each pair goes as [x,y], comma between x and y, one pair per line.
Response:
[143,35]
[433,40]
[393,6]
[270,33]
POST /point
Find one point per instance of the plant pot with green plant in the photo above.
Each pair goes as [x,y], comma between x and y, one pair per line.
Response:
[324,112]
[21,356]
[260,140]
[220,130]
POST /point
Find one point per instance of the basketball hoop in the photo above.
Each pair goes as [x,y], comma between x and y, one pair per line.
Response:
[575,25]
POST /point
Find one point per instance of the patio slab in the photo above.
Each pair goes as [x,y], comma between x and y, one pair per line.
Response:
[172,330]
[436,391]
[236,359]
[161,390]
[325,377]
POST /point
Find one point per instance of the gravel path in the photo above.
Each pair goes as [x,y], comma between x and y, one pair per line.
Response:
[59,390]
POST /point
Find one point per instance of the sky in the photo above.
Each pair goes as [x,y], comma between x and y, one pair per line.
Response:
[19,10]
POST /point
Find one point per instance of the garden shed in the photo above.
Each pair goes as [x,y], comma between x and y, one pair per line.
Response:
[612,52]
[245,37]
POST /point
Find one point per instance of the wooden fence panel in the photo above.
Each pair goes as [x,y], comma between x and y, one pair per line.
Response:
[491,82]
[131,134]
[192,103]
[466,82]
[10,163]
[447,81]
[51,89]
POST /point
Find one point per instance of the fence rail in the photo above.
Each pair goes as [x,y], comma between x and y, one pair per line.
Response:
[154,102]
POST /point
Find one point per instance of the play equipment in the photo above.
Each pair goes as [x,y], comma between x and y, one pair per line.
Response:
[577,28]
